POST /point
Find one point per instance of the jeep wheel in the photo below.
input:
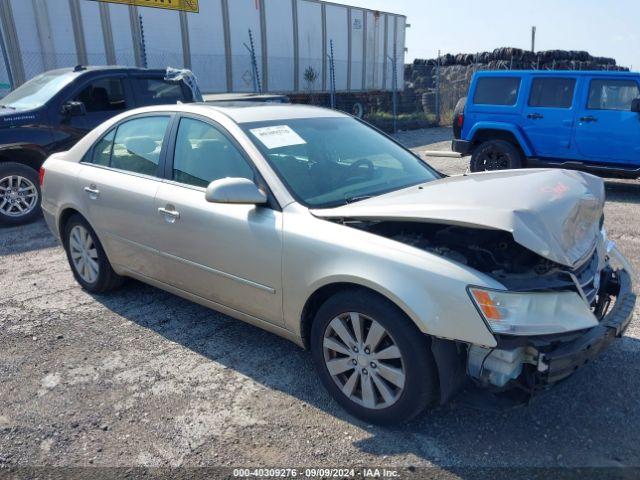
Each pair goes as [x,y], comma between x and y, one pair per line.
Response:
[19,194]
[495,155]
[372,358]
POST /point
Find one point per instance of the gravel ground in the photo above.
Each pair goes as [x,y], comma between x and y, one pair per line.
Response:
[140,377]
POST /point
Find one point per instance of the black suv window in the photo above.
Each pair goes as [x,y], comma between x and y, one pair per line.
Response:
[552,92]
[156,91]
[203,154]
[104,95]
[497,91]
[612,94]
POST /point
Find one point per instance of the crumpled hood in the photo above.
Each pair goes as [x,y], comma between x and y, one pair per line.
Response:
[555,213]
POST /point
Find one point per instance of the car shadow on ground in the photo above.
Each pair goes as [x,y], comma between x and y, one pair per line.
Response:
[573,424]
[25,238]
[623,191]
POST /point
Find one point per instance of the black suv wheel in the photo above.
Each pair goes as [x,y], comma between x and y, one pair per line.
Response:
[495,155]
[19,193]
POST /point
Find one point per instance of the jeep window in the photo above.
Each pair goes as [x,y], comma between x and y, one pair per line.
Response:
[327,162]
[497,91]
[104,95]
[156,91]
[39,90]
[612,94]
[552,92]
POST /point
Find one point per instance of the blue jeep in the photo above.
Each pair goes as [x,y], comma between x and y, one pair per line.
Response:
[569,119]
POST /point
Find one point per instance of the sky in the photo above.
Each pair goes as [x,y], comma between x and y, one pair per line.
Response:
[606,28]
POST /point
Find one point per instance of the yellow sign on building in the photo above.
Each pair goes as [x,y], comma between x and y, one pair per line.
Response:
[184,5]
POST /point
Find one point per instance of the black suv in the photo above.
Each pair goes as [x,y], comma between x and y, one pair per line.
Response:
[54,110]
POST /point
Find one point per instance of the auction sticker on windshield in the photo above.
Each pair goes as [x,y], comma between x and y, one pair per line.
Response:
[277,136]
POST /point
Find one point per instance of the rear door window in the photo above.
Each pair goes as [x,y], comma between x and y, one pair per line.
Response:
[156,91]
[552,92]
[605,94]
[134,146]
[496,91]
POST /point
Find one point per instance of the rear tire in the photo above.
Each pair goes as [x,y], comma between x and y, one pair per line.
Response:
[358,109]
[20,194]
[382,378]
[457,129]
[495,155]
[87,258]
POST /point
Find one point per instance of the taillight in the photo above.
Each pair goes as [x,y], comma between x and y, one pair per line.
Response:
[460,119]
[41,176]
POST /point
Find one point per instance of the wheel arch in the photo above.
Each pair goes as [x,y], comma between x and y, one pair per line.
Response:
[324,292]
[31,157]
[65,214]
[448,355]
[482,132]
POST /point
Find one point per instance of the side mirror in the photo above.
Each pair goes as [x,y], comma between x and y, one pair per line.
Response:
[635,105]
[74,109]
[235,190]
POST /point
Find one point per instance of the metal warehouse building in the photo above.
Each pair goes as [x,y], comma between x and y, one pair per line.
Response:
[292,42]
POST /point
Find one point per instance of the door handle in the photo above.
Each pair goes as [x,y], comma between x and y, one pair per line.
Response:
[170,215]
[535,116]
[92,191]
[588,119]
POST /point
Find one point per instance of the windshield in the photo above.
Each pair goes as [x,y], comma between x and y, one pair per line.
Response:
[327,162]
[37,91]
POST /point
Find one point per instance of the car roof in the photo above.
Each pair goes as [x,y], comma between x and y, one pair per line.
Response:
[554,73]
[82,70]
[250,112]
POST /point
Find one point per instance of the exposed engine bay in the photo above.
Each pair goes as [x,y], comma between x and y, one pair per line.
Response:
[493,252]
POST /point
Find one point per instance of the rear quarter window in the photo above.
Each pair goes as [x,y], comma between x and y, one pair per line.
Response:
[157,91]
[496,91]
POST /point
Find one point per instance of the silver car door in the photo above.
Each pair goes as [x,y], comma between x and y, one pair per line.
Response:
[230,254]
[118,182]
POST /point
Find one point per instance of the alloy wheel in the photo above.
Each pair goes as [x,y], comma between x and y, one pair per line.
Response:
[18,196]
[364,360]
[494,160]
[84,254]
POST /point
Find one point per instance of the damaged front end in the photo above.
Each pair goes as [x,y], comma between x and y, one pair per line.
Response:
[538,233]
[566,315]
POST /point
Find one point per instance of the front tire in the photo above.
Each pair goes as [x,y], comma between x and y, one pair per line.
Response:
[372,359]
[20,195]
[495,155]
[87,258]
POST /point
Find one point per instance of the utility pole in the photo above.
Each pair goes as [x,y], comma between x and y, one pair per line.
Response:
[533,39]
[438,89]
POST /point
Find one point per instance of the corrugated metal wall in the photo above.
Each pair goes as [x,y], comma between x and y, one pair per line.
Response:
[292,41]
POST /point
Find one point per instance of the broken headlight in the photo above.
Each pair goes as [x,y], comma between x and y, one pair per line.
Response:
[532,313]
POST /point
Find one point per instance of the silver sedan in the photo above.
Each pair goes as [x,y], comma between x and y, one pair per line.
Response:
[405,285]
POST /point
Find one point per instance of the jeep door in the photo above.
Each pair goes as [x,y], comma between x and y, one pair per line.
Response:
[607,130]
[548,115]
